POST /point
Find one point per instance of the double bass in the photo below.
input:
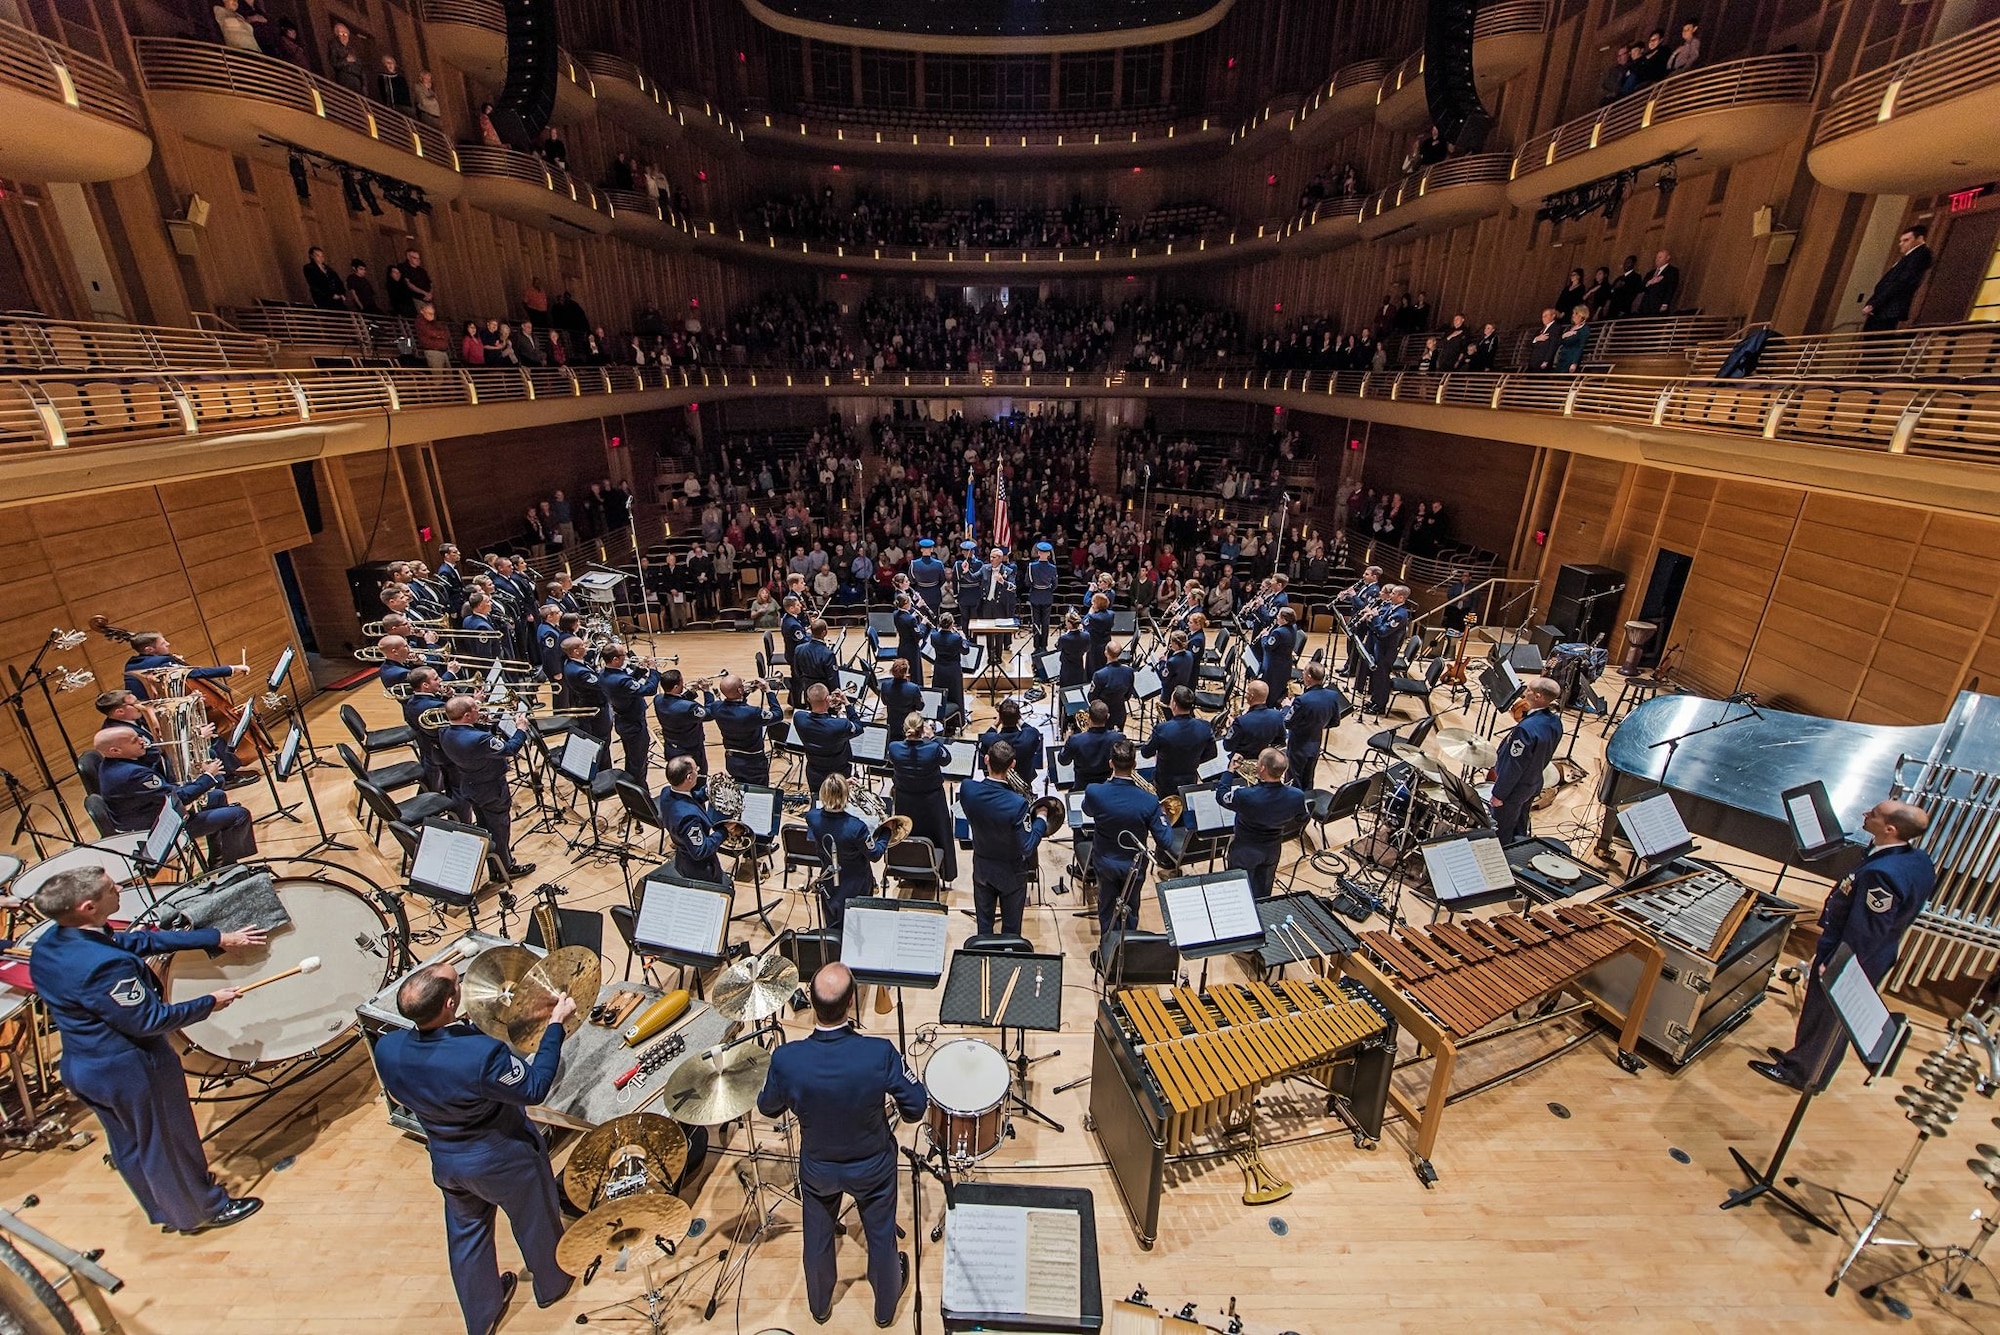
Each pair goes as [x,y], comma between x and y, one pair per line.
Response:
[220,705]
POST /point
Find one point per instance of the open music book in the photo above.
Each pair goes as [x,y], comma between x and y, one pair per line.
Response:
[1012,1260]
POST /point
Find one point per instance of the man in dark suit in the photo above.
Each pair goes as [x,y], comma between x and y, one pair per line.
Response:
[1123,815]
[1180,745]
[426,695]
[1662,287]
[1073,653]
[1525,752]
[742,728]
[835,1083]
[1625,290]
[1112,686]
[1266,811]
[1542,348]
[1004,841]
[1317,708]
[1896,290]
[1089,751]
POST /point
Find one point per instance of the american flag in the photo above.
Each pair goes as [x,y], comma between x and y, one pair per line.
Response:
[1003,526]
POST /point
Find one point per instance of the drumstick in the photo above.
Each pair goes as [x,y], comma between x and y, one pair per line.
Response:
[1006,994]
[306,965]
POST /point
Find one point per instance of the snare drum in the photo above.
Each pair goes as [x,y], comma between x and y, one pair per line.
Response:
[356,949]
[114,853]
[967,1083]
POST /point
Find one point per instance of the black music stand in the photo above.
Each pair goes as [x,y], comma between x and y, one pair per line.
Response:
[1209,915]
[1090,1305]
[763,837]
[678,922]
[1815,826]
[1032,988]
[884,949]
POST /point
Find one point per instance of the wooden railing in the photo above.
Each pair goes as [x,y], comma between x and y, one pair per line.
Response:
[1476,169]
[33,63]
[32,342]
[1758,81]
[1932,76]
[492,17]
[1501,20]
[1113,253]
[969,130]
[310,327]
[604,65]
[1638,336]
[489,161]
[1932,352]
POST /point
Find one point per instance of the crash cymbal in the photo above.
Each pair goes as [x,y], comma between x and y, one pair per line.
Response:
[1462,746]
[1985,1172]
[628,1222]
[713,1087]
[509,991]
[635,1143]
[755,989]
[1419,761]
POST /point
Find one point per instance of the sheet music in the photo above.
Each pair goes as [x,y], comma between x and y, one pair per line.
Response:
[933,702]
[1145,683]
[792,737]
[1063,771]
[1209,813]
[680,917]
[760,808]
[1187,913]
[1461,867]
[1051,665]
[1212,769]
[1860,1008]
[166,832]
[1232,910]
[1074,801]
[451,860]
[888,941]
[278,671]
[1654,826]
[288,757]
[964,759]
[1805,819]
[975,659]
[579,756]
[872,743]
[986,1258]
[1055,1264]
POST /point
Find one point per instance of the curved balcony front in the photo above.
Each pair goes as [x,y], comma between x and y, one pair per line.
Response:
[254,104]
[1025,142]
[640,104]
[1235,247]
[1441,196]
[528,190]
[639,217]
[1917,127]
[1507,38]
[1715,115]
[1326,226]
[1347,100]
[70,117]
[472,36]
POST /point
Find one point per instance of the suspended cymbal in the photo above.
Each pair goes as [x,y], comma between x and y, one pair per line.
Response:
[1420,762]
[629,1221]
[755,989]
[709,1090]
[1463,746]
[635,1143]
[509,991]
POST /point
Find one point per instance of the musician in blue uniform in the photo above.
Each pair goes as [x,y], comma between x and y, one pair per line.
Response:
[848,846]
[116,1054]
[814,662]
[1262,612]
[1267,811]
[399,660]
[1097,624]
[792,632]
[581,690]
[1385,632]
[1197,634]
[1356,603]
[484,636]
[549,643]
[470,1093]
[948,666]
[1277,650]
[135,791]
[480,760]
[1180,745]
[1315,709]
[1073,651]
[151,652]
[1112,685]
[626,689]
[900,696]
[912,629]
[696,838]
[1258,727]
[1123,815]
[1178,667]
[1525,752]
[448,573]
[827,738]
[1005,837]
[1868,912]
[742,727]
[682,718]
[968,580]
[1025,738]
[1089,750]
[839,1084]
[916,762]
[1042,577]
[927,576]
[426,694]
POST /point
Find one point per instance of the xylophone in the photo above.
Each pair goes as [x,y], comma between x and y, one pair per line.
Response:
[1698,910]
[1170,1064]
[1447,981]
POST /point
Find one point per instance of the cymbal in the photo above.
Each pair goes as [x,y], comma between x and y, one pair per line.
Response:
[509,991]
[1419,761]
[637,1142]
[1463,746]
[755,989]
[630,1221]
[709,1090]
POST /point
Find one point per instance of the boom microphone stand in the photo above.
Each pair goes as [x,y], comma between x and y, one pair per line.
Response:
[16,700]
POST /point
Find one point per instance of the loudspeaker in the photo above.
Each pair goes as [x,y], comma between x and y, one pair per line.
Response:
[1149,957]
[1449,86]
[1580,620]
[365,582]
[529,96]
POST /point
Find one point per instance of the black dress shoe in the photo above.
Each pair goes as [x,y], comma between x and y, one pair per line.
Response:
[233,1213]
[821,1318]
[242,779]
[509,1282]
[903,1260]
[568,1284]
[1776,1074]
[520,869]
[1777,1054]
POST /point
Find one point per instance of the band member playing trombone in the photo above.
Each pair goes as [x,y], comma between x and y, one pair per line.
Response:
[481,637]
[480,759]
[425,695]
[581,690]
[684,811]
[1180,745]
[900,696]
[1025,738]
[399,660]
[681,719]
[848,846]
[1006,832]
[912,629]
[1123,814]
[1307,718]
[917,760]
[741,726]
[827,738]
[627,689]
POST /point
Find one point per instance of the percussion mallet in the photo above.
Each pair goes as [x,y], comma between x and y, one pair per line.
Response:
[306,965]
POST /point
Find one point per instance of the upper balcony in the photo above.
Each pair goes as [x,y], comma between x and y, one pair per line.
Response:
[1347,100]
[1442,195]
[1507,38]
[527,189]
[1016,139]
[256,105]
[641,104]
[70,117]
[1715,115]
[1326,226]
[472,35]
[1232,247]
[1919,126]
[639,217]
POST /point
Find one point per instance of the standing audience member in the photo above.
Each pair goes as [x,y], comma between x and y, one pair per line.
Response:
[1896,290]
[343,62]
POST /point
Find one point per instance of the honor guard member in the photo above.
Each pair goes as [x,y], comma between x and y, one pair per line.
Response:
[927,575]
[626,690]
[1525,752]
[581,690]
[827,738]
[681,720]
[900,696]
[150,652]
[911,632]
[1354,603]
[426,694]
[1179,667]
[1042,577]
[916,764]
[1004,844]
[848,846]
[549,643]
[471,1093]
[1386,631]
[684,811]
[135,792]
[1123,815]
[1097,624]
[1025,738]
[1089,751]
[1314,710]
[1258,727]
[1867,912]
[480,759]
[1073,654]
[741,726]
[116,1055]
[485,639]
[839,1085]
[1180,745]
[948,667]
[968,580]
[1277,650]
[814,662]
[1266,812]
[1113,685]
[449,575]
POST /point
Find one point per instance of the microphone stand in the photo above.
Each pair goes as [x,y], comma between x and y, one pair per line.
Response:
[16,700]
[920,1165]
[17,792]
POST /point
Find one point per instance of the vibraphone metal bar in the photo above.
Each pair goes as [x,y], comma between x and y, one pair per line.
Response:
[1446,981]
[1699,910]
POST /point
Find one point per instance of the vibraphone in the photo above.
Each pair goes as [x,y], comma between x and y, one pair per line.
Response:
[1698,910]
[1447,981]
[1170,1063]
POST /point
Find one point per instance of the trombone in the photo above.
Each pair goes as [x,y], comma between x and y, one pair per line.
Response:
[372,653]
[433,719]
[373,629]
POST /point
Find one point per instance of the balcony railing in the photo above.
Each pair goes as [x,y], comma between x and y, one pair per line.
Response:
[30,342]
[781,247]
[490,17]
[946,130]
[34,64]
[1610,341]
[1478,169]
[485,160]
[1511,18]
[604,65]
[310,327]
[1932,77]
[1363,75]
[1933,352]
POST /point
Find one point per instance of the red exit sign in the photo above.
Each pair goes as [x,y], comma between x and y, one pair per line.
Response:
[1963,200]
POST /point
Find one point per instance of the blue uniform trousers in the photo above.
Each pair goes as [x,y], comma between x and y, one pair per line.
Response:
[636,743]
[514,1177]
[872,1183]
[143,1102]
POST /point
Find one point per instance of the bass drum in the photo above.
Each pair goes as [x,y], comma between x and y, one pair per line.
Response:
[29,1304]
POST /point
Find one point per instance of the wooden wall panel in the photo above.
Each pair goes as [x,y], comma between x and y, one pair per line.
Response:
[490,480]
[1482,483]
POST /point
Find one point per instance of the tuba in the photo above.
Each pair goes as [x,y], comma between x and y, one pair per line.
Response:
[181,718]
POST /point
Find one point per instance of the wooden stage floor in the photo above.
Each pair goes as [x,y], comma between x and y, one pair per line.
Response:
[1601,1215]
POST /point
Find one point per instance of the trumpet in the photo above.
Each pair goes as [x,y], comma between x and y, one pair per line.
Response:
[653,662]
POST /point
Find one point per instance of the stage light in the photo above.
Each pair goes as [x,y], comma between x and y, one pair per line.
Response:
[301,183]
